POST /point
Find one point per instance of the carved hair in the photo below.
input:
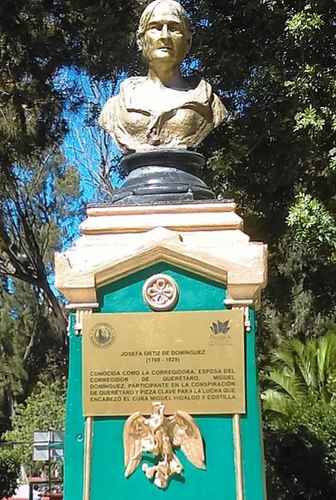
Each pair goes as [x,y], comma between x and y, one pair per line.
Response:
[149,11]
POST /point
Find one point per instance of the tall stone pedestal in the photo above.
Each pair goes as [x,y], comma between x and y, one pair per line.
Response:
[202,246]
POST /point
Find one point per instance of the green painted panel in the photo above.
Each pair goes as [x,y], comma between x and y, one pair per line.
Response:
[251,433]
[196,293]
[74,423]
[218,481]
[107,468]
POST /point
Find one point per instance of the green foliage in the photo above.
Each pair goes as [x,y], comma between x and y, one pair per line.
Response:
[42,411]
[319,419]
[274,64]
[36,40]
[309,119]
[311,223]
[40,202]
[9,473]
[301,371]
[304,24]
[30,349]
[300,413]
[300,454]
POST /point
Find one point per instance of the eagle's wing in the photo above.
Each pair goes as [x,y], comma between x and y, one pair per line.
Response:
[135,430]
[185,433]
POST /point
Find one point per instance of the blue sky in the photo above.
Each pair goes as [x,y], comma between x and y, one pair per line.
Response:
[85,142]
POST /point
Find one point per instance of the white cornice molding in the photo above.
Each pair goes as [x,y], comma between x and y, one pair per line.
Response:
[225,256]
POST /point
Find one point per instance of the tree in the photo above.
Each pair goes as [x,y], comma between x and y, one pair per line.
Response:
[300,457]
[36,220]
[39,38]
[38,201]
[42,411]
[30,348]
[9,474]
[300,411]
[36,41]
[301,371]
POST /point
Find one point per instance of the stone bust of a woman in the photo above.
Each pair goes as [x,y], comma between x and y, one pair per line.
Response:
[162,109]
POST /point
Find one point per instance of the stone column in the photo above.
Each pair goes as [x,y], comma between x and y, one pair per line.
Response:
[203,246]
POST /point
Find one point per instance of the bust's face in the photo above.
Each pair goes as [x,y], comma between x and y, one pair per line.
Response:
[165,40]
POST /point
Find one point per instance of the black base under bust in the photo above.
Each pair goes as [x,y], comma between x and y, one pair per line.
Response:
[162,176]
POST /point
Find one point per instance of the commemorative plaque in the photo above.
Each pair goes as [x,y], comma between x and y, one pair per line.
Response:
[190,360]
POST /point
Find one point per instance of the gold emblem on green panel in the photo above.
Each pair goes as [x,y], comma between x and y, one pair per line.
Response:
[102,335]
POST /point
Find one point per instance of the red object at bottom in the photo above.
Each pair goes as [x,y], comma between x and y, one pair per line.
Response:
[52,496]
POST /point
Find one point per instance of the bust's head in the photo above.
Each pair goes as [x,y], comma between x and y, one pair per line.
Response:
[164,33]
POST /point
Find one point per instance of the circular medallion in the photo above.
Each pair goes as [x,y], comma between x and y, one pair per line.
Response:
[160,292]
[102,335]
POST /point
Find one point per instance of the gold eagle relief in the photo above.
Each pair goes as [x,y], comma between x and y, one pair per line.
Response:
[160,435]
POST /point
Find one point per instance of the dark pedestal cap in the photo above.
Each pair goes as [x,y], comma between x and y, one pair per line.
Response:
[162,176]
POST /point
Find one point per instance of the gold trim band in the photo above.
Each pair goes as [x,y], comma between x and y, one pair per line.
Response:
[238,458]
[87,458]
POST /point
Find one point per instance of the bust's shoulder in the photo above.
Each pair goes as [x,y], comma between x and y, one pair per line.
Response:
[106,119]
[196,81]
[132,83]
[131,92]
[200,89]
[205,94]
